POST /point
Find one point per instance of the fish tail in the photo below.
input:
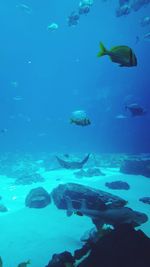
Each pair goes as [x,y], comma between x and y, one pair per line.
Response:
[103,51]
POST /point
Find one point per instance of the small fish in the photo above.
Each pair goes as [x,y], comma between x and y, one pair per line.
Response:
[52,27]
[73,19]
[147,36]
[145,21]
[123,10]
[136,110]
[137,39]
[81,122]
[26,9]
[24,264]
[123,55]
[120,116]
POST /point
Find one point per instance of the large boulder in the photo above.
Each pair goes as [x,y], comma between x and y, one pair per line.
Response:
[38,198]
[136,166]
[95,199]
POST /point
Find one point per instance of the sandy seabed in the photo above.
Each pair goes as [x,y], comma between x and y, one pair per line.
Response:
[37,234]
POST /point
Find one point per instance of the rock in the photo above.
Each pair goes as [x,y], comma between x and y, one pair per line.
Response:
[117,216]
[95,199]
[28,178]
[89,235]
[137,167]
[38,198]
[123,247]
[145,200]
[89,173]
[61,260]
[118,185]
[3,208]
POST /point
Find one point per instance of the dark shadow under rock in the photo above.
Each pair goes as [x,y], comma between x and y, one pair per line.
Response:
[137,167]
[3,208]
[29,178]
[118,185]
[122,247]
[38,198]
[90,172]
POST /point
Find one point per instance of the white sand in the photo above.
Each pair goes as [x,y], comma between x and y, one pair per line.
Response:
[37,234]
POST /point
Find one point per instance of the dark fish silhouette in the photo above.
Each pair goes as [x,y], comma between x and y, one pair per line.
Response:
[136,110]
[73,164]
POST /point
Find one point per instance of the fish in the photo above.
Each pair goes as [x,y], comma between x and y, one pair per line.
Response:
[123,10]
[81,122]
[25,8]
[24,264]
[111,216]
[147,36]
[121,116]
[123,55]
[145,21]
[73,19]
[52,27]
[136,110]
[74,164]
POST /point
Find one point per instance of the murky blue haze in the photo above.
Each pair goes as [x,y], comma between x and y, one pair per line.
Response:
[55,73]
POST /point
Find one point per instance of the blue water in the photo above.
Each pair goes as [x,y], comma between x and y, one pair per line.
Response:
[44,77]
[59,72]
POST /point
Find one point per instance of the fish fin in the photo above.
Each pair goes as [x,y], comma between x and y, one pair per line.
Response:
[69,206]
[103,51]
[85,159]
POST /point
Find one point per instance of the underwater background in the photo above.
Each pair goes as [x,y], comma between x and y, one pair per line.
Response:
[55,73]
[49,69]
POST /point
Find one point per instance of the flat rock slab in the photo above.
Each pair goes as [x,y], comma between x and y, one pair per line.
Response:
[118,185]
[95,199]
[138,167]
[145,200]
